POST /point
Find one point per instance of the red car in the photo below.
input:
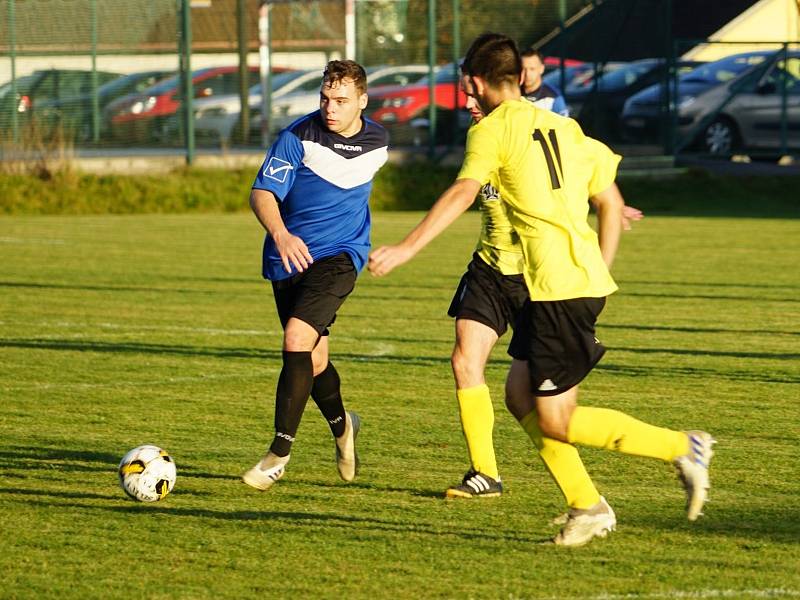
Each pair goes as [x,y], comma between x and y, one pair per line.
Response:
[395,107]
[151,115]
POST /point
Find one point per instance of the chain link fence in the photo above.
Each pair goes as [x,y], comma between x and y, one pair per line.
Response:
[105,74]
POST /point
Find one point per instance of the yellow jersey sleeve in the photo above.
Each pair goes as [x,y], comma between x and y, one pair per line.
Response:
[605,165]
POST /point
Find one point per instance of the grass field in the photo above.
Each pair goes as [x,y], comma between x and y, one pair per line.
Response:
[121,330]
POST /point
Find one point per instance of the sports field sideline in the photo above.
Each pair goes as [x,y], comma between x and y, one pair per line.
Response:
[117,331]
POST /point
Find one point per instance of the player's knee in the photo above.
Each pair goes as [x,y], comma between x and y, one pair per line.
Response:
[553,426]
[466,370]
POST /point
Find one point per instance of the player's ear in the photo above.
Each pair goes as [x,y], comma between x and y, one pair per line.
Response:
[362,101]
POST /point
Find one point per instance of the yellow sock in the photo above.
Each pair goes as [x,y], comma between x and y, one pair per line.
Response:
[614,430]
[564,464]
[477,421]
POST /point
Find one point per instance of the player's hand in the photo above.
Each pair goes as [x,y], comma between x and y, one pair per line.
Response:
[293,252]
[383,260]
[630,213]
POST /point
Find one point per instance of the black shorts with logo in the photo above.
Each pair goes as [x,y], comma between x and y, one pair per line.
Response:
[558,341]
[315,295]
[487,296]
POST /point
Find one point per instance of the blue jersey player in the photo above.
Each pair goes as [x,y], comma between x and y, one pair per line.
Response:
[311,195]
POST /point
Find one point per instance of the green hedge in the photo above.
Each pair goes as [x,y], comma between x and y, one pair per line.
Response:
[397,187]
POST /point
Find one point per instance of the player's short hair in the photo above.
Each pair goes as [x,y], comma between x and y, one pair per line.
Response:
[338,70]
[493,57]
[530,51]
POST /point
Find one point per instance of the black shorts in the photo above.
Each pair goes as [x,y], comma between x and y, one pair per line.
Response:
[487,296]
[315,295]
[557,339]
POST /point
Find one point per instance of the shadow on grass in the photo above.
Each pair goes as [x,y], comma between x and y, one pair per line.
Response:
[174,349]
[697,329]
[348,521]
[112,288]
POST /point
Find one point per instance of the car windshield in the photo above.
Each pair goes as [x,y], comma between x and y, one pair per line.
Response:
[22,84]
[171,83]
[725,69]
[624,76]
[443,74]
[121,82]
[278,81]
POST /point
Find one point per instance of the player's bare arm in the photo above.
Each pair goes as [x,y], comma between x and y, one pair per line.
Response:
[450,205]
[292,249]
[609,205]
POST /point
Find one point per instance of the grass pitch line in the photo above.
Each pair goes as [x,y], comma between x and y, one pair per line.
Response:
[691,594]
[36,241]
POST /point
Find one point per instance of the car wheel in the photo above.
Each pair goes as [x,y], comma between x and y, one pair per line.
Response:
[720,138]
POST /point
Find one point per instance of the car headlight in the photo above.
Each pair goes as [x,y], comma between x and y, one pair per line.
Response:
[685,102]
[143,106]
[397,102]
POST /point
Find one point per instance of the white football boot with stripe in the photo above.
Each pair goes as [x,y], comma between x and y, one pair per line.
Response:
[693,471]
[476,485]
[346,456]
[584,524]
[266,471]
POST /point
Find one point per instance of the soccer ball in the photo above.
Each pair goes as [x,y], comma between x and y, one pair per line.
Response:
[147,473]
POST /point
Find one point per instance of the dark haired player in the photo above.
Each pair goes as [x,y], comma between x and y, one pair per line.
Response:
[536,90]
[311,195]
[546,166]
[485,304]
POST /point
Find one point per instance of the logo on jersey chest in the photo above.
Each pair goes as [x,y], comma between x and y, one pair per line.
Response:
[347,147]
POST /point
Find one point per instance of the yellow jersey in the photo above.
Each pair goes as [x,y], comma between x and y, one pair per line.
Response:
[546,170]
[498,244]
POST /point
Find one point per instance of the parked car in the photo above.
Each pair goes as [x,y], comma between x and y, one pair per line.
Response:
[216,117]
[299,102]
[597,106]
[146,116]
[294,94]
[731,104]
[41,87]
[400,108]
[75,113]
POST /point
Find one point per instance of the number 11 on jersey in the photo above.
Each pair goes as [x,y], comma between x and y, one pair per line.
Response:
[550,150]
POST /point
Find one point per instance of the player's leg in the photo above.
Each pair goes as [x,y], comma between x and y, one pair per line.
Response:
[327,395]
[483,305]
[562,419]
[294,386]
[474,343]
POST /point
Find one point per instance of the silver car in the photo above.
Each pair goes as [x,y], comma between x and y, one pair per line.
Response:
[726,106]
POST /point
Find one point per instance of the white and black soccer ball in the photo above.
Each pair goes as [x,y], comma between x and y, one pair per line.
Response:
[147,473]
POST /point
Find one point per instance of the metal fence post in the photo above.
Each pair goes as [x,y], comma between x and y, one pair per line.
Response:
[784,115]
[187,89]
[265,70]
[431,78]
[12,42]
[244,79]
[95,98]
[456,68]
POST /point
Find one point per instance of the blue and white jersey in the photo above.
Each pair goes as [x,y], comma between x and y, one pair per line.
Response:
[322,181]
[548,98]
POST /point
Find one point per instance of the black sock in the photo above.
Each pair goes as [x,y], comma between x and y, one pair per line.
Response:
[294,386]
[326,393]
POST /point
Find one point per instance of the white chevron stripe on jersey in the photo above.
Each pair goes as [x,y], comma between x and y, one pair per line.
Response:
[343,172]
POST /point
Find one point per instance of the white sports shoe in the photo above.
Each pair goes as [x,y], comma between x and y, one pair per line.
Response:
[266,471]
[346,455]
[584,524]
[693,471]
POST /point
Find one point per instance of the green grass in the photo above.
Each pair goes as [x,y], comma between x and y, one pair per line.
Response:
[121,330]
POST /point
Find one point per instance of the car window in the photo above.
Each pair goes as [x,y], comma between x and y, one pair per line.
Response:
[394,79]
[221,83]
[725,69]
[623,77]
[784,71]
